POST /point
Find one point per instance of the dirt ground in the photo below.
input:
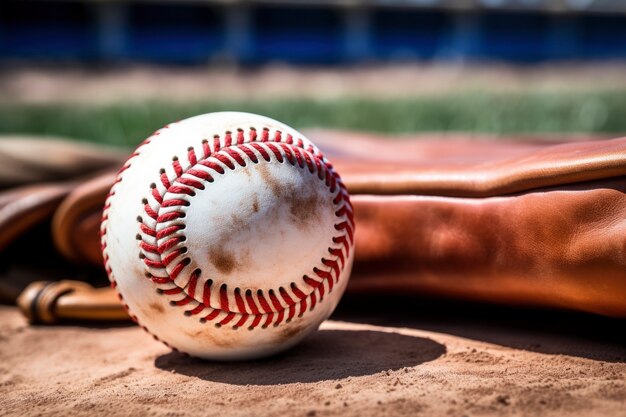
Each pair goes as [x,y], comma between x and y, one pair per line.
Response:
[421,358]
[28,84]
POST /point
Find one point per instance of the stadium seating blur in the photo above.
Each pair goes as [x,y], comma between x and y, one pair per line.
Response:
[311,32]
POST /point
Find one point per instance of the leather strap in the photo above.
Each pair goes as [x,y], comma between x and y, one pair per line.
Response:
[50,302]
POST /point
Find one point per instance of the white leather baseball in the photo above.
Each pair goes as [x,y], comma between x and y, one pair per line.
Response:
[228,236]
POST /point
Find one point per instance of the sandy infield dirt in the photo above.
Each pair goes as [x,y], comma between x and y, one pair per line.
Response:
[416,358]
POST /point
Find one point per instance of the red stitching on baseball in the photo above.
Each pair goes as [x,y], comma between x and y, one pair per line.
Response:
[146,230]
[229,157]
[250,309]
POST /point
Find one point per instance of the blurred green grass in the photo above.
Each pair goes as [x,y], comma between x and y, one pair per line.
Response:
[127,124]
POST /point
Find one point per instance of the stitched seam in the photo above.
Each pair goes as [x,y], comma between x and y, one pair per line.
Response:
[162,247]
[348,225]
[104,228]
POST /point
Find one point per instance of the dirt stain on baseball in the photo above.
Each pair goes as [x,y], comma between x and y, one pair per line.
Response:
[289,331]
[209,336]
[305,203]
[305,206]
[156,307]
[246,170]
[238,223]
[223,261]
[139,270]
[269,179]
[153,309]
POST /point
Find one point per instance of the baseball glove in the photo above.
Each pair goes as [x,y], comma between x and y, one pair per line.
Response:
[36,177]
[515,221]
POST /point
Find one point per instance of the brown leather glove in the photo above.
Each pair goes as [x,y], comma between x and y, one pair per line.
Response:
[36,175]
[508,222]
[515,221]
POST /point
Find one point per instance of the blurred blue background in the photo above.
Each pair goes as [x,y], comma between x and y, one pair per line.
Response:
[308,32]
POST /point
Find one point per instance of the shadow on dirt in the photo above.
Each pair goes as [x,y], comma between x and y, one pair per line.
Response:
[554,332]
[326,355]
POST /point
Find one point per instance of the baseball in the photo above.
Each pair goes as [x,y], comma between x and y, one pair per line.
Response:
[228,236]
